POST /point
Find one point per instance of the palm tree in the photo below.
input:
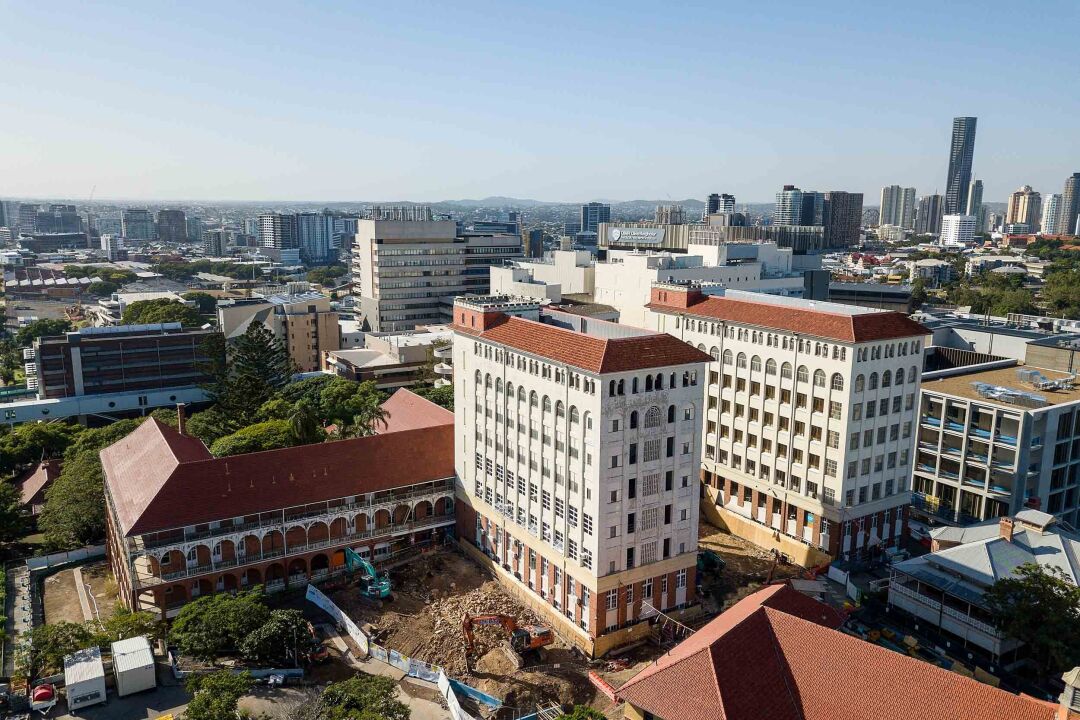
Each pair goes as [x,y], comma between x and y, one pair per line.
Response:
[303,425]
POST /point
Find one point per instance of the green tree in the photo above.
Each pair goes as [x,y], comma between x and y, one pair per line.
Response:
[356,407]
[269,435]
[43,648]
[310,390]
[1039,606]
[280,639]
[10,359]
[217,623]
[210,424]
[166,416]
[12,521]
[28,443]
[582,712]
[255,366]
[326,275]
[216,696]
[45,327]
[918,293]
[1062,294]
[124,623]
[102,288]
[366,697]
[159,311]
[442,396]
[304,424]
[205,303]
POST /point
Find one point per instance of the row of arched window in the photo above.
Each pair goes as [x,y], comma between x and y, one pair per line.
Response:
[888,379]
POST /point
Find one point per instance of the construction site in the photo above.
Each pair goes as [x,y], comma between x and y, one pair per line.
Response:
[443,601]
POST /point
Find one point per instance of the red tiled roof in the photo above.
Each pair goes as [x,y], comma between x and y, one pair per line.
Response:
[773,655]
[408,411]
[862,327]
[158,480]
[33,486]
[591,353]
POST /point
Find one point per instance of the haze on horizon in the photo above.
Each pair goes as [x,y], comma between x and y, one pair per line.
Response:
[558,102]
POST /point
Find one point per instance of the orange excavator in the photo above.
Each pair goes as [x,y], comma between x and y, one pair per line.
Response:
[522,638]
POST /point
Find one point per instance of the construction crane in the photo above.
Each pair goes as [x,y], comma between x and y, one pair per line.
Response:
[375,587]
[522,638]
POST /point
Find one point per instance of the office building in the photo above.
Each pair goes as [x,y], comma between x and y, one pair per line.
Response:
[842,218]
[788,206]
[58,219]
[26,218]
[51,242]
[128,358]
[182,524]
[215,242]
[534,243]
[1069,217]
[992,442]
[957,230]
[172,226]
[928,217]
[315,237]
[974,202]
[961,154]
[669,215]
[195,229]
[395,360]
[137,225]
[304,321]
[592,214]
[809,417]
[897,207]
[277,231]
[111,245]
[1051,215]
[719,203]
[593,511]
[1024,208]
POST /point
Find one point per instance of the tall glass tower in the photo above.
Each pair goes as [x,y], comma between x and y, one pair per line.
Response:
[960,155]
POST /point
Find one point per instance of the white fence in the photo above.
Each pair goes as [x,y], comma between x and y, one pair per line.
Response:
[316,596]
[36,564]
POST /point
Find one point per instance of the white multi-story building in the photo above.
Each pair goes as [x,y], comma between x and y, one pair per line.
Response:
[1051,209]
[577,452]
[810,414]
[957,229]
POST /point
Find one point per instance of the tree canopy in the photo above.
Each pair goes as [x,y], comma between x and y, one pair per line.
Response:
[26,444]
[161,310]
[255,367]
[44,327]
[364,697]
[216,695]
[268,435]
[326,274]
[214,624]
[279,640]
[44,647]
[442,396]
[205,303]
[1040,607]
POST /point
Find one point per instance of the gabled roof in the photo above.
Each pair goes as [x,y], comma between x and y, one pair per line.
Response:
[817,321]
[159,479]
[42,476]
[408,411]
[773,655]
[589,352]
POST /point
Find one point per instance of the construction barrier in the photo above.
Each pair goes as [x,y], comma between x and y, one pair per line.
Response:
[452,703]
[316,596]
[36,564]
[481,697]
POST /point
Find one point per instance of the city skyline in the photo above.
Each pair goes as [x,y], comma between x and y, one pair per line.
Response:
[447,106]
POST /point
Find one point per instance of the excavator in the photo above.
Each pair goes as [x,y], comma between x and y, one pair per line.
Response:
[522,638]
[373,586]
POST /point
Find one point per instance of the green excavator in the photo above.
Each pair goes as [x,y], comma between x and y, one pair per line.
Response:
[372,585]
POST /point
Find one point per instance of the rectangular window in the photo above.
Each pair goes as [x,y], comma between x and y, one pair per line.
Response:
[631,488]
[586,523]
[612,599]
[630,522]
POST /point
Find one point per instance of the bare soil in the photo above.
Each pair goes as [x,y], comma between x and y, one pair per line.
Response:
[101,587]
[62,599]
[746,568]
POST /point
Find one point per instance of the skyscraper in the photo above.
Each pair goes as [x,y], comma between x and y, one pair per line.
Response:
[788,206]
[928,218]
[1051,215]
[974,201]
[136,224]
[897,207]
[718,203]
[277,231]
[1070,206]
[1025,208]
[194,229]
[172,226]
[961,153]
[314,236]
[842,218]
[592,214]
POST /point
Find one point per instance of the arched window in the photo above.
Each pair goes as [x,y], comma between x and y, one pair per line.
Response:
[755,364]
[648,383]
[819,378]
[671,413]
[622,387]
[547,404]
[634,386]
[714,352]
[479,378]
[588,421]
[837,381]
[886,379]
[860,383]
[802,374]
[785,370]
[899,377]
[509,390]
[740,361]
[672,383]
[487,380]
[912,374]
[633,419]
[560,410]
[873,381]
[574,417]
[498,385]
[701,347]
[534,399]
[770,367]
[652,417]
[729,357]
[659,381]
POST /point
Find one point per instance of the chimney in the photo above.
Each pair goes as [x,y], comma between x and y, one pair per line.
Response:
[180,424]
[1005,528]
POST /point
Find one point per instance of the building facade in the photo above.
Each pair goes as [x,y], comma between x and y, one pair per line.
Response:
[842,218]
[315,237]
[1069,217]
[277,231]
[897,207]
[305,322]
[1024,208]
[1051,214]
[928,217]
[592,214]
[961,155]
[137,224]
[957,229]
[172,226]
[576,457]
[810,414]
[974,202]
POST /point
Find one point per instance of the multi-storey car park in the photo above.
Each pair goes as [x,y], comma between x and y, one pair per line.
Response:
[810,414]
[577,447]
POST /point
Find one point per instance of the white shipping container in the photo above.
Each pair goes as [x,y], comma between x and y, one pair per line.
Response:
[133,666]
[84,679]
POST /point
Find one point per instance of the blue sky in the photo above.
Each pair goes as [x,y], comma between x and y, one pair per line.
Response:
[549,100]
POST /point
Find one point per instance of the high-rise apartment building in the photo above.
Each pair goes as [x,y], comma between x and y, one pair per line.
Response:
[928,217]
[172,226]
[961,154]
[534,243]
[111,245]
[592,214]
[26,218]
[719,203]
[215,242]
[315,237]
[277,231]
[1069,217]
[842,218]
[577,454]
[304,322]
[957,229]
[669,215]
[137,224]
[1024,208]
[58,219]
[1051,214]
[974,199]
[897,207]
[810,411]
[800,207]
[194,229]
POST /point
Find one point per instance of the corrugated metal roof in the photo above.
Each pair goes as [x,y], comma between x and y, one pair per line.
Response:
[132,653]
[82,666]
